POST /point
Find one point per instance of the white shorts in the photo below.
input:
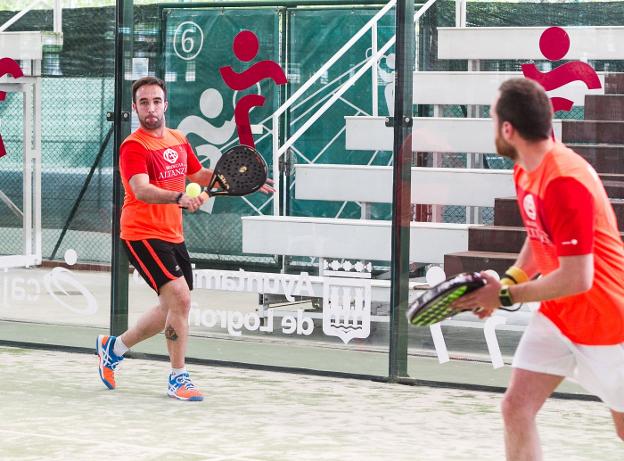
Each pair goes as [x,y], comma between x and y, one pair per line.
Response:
[599,369]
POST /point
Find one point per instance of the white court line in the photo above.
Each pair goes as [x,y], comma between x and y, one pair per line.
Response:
[143,447]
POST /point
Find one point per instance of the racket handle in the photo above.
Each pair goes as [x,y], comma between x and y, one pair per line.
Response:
[203,194]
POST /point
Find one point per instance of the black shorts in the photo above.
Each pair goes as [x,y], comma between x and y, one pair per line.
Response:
[159,261]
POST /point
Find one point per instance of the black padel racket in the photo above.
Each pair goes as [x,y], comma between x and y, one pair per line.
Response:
[434,305]
[241,170]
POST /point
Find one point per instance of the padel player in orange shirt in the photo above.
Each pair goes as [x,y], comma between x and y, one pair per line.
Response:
[155,162]
[574,243]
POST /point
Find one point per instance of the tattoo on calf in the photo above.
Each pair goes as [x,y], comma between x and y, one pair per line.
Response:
[170,333]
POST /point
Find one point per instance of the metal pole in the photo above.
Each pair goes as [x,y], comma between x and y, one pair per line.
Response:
[119,259]
[401,197]
[58,16]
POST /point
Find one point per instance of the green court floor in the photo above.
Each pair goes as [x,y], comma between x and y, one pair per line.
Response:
[54,407]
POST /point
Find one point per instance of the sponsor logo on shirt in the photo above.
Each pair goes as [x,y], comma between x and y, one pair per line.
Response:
[529,207]
[170,155]
[570,242]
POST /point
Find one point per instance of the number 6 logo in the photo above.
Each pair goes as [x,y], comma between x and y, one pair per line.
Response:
[188,40]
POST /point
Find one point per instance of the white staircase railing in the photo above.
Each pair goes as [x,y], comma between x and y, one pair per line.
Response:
[376,54]
[58,14]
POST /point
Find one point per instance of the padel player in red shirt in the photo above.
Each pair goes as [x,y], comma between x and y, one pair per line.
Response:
[154,163]
[574,244]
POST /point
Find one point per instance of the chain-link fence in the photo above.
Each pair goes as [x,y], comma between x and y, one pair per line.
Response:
[73,144]
[76,144]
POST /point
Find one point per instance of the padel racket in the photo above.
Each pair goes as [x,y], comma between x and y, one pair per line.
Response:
[434,305]
[241,170]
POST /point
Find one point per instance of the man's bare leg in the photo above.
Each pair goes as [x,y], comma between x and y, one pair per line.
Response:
[149,324]
[176,296]
[525,396]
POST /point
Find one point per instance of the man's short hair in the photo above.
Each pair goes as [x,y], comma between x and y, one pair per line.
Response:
[147,81]
[524,104]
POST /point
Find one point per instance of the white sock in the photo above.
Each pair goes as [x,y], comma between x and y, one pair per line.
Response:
[178,371]
[119,348]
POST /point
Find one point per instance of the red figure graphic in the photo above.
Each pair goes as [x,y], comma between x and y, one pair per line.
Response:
[245,48]
[10,67]
[554,44]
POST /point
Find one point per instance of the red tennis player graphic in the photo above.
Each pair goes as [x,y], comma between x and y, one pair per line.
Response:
[554,44]
[245,48]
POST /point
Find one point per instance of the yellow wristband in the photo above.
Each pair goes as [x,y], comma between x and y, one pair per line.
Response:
[513,276]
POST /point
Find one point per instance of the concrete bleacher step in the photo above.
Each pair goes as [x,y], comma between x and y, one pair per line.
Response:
[506,212]
[605,158]
[496,239]
[604,107]
[592,131]
[614,187]
[614,83]
[474,261]
[490,247]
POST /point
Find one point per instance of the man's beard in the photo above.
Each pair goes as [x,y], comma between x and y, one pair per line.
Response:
[153,124]
[505,149]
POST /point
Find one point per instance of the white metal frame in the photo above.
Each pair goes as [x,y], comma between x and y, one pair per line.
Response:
[31,204]
[58,14]
[27,47]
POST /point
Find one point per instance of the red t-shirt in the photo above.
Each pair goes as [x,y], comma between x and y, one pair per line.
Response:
[167,160]
[566,212]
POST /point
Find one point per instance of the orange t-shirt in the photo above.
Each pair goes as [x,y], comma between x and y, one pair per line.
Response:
[566,212]
[167,160]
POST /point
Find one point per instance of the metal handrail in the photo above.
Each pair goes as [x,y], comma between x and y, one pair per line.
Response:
[278,150]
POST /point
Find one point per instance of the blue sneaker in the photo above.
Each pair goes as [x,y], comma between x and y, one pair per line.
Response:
[108,361]
[181,388]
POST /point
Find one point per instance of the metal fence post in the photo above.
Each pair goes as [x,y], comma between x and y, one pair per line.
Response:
[401,197]
[119,259]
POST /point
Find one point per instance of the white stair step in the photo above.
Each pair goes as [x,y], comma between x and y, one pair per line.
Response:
[480,88]
[586,42]
[348,238]
[27,45]
[434,186]
[430,134]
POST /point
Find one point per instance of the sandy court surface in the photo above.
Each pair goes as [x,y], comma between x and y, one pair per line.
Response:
[54,407]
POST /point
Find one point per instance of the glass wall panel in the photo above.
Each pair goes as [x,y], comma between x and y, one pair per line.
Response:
[464,55]
[299,278]
[269,289]
[55,178]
